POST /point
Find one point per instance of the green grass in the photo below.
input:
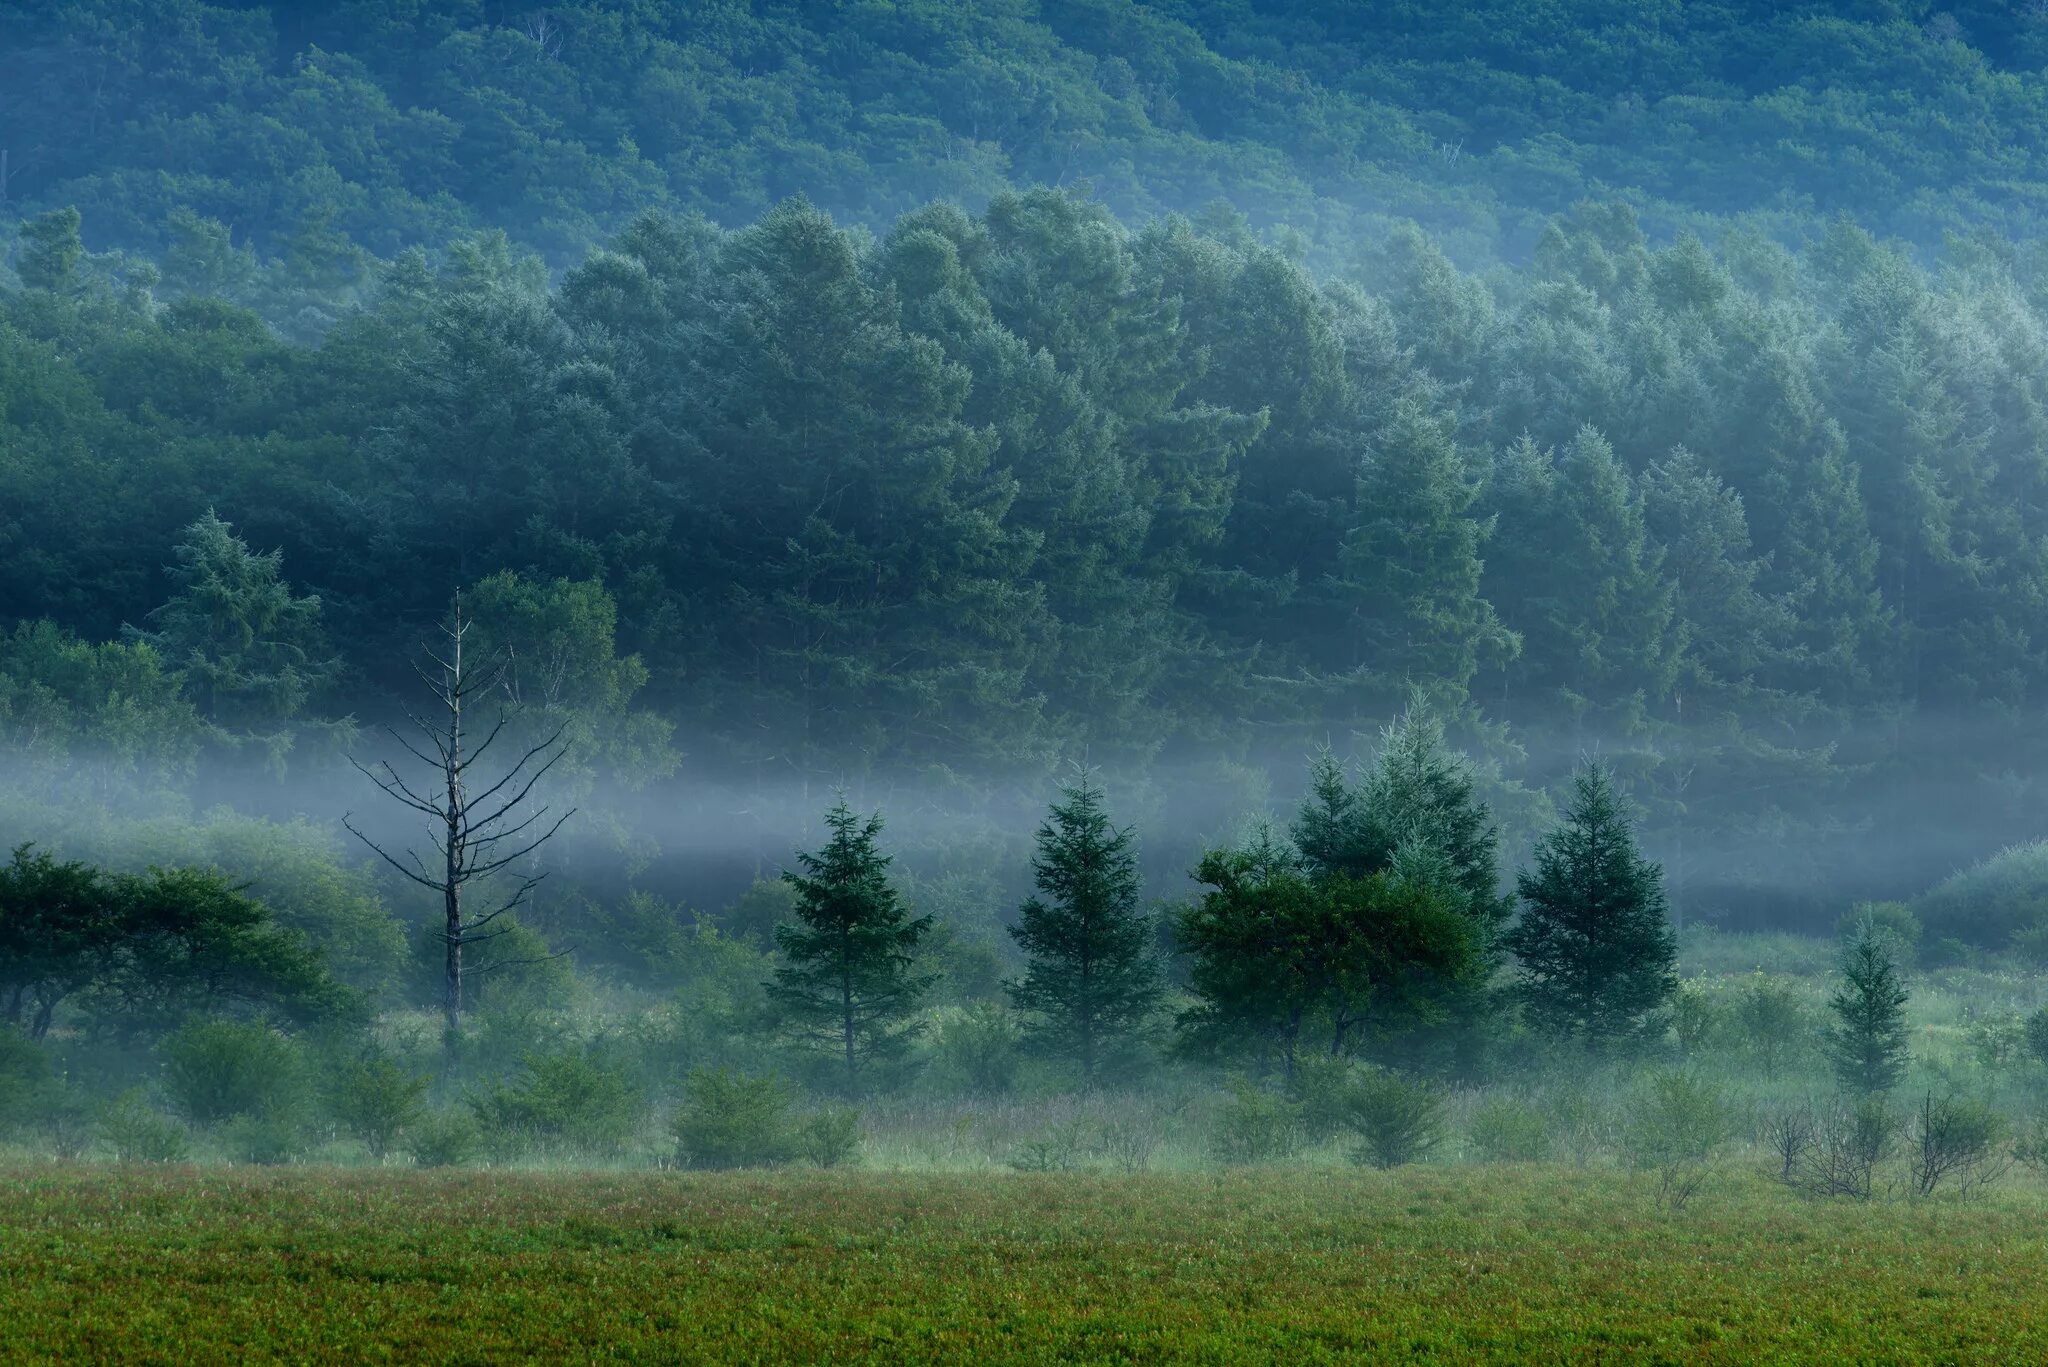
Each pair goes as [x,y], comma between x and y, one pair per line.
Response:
[1440,1264]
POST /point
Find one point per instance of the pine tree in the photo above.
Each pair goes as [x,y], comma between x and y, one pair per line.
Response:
[848,981]
[1092,979]
[251,651]
[1867,1043]
[1596,952]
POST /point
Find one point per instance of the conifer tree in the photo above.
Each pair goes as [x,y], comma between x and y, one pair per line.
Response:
[1867,1043]
[848,981]
[1092,979]
[1596,951]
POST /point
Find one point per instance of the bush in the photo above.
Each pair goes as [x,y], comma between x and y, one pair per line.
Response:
[1321,1089]
[266,1140]
[216,1070]
[1255,1126]
[1772,1023]
[731,1121]
[1697,1020]
[375,1100]
[571,1097]
[1396,1120]
[1675,1126]
[1954,1140]
[139,1133]
[444,1139]
[1059,1149]
[829,1138]
[1847,1145]
[2037,1035]
[1509,1132]
[1988,904]
[974,1050]
[25,1081]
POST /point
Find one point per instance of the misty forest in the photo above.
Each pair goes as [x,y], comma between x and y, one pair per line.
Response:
[1196,621]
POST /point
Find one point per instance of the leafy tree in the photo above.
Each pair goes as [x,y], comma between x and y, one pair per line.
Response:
[848,982]
[376,1099]
[1091,980]
[1867,1042]
[1595,951]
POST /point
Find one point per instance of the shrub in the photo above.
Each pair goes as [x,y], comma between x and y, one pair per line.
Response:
[571,1096]
[25,1081]
[1895,920]
[216,1070]
[974,1049]
[1790,1133]
[1849,1142]
[1507,1131]
[1675,1126]
[731,1121]
[1954,1140]
[1321,1089]
[444,1139]
[1059,1149]
[829,1138]
[262,1139]
[2037,1035]
[139,1133]
[1396,1120]
[1772,1023]
[1986,905]
[1697,1020]
[375,1100]
[1255,1126]
[1998,1039]
[1129,1141]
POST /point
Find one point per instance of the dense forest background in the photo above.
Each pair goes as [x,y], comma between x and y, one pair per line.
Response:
[922,397]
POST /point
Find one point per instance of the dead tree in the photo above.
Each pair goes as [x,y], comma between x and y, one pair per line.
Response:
[475,835]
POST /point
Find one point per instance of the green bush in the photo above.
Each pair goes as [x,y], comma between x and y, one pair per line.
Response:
[1986,905]
[1509,1131]
[1895,919]
[216,1070]
[139,1133]
[1255,1126]
[1772,1023]
[445,1138]
[1397,1120]
[731,1121]
[267,1140]
[974,1050]
[375,1100]
[1321,1090]
[569,1097]
[829,1138]
[1675,1126]
[26,1084]
[2037,1035]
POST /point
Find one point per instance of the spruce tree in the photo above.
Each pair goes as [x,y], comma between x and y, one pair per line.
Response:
[1092,979]
[1596,951]
[1867,1043]
[848,983]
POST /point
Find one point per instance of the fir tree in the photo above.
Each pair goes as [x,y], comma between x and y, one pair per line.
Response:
[1092,979]
[1867,1043]
[848,981]
[1596,951]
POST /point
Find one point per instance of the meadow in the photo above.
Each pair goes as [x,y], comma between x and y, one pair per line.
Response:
[1457,1264]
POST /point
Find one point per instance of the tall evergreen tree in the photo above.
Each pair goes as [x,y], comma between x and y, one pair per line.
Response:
[252,652]
[1596,951]
[1092,979]
[848,982]
[1867,1042]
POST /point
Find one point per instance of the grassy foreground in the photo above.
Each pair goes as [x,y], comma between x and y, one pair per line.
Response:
[1444,1264]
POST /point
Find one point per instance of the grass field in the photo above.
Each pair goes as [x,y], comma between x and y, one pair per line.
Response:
[1438,1264]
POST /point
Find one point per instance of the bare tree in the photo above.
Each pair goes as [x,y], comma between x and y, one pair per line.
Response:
[475,835]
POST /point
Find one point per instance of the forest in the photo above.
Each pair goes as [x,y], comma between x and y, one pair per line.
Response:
[1027,588]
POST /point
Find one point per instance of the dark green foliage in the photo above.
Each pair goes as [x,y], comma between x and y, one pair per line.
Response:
[26,1080]
[727,1120]
[848,984]
[1397,1120]
[219,1070]
[829,1137]
[139,1133]
[376,1099]
[1091,980]
[446,1138]
[1254,1125]
[2037,1035]
[1594,951]
[1867,1042]
[572,1096]
[1281,962]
